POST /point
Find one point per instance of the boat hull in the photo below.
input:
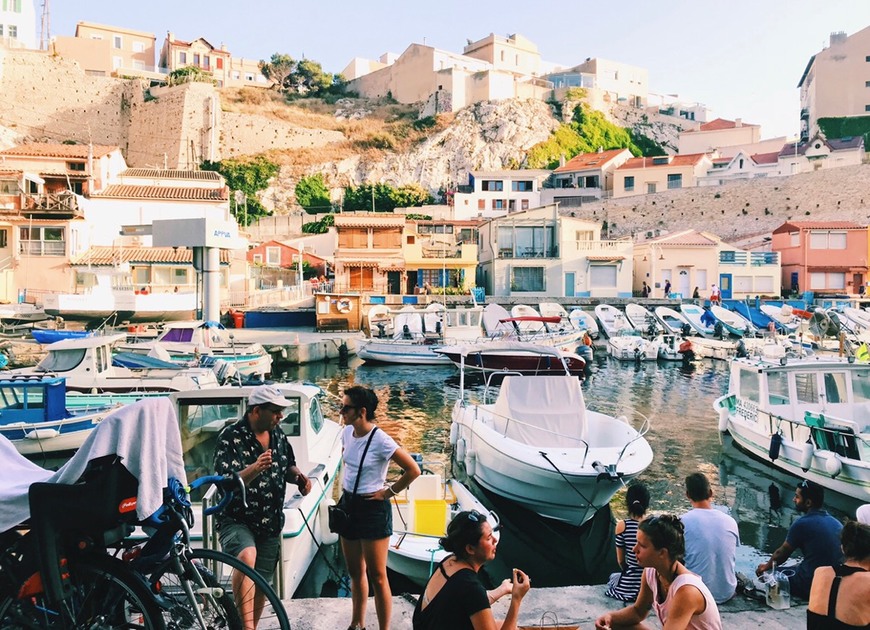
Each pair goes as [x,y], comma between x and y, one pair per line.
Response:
[515,362]
[121,306]
[399,353]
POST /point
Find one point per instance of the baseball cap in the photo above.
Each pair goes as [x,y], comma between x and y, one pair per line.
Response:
[267,395]
[863,514]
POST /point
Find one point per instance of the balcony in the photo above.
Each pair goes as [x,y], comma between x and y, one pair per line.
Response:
[442,251]
[42,248]
[753,259]
[62,205]
[528,252]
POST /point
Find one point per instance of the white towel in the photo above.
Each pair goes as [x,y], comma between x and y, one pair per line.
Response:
[16,474]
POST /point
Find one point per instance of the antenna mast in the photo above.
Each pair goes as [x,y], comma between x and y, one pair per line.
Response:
[45,26]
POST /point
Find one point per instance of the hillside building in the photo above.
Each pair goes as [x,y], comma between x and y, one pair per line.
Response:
[607,81]
[835,81]
[107,51]
[585,177]
[643,176]
[820,153]
[497,193]
[18,24]
[228,71]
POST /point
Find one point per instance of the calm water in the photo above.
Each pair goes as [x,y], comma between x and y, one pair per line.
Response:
[415,409]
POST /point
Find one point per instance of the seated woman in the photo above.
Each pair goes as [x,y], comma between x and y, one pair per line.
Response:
[838,597]
[680,599]
[454,596]
[625,585]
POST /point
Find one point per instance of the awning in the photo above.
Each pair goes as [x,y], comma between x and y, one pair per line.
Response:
[357,263]
[32,177]
[605,258]
[392,268]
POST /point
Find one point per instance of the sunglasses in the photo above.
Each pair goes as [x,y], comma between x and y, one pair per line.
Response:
[273,409]
[476,517]
[346,408]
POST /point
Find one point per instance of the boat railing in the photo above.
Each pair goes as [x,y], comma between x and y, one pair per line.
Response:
[641,432]
[799,431]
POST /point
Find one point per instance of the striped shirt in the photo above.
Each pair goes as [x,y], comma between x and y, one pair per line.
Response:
[627,587]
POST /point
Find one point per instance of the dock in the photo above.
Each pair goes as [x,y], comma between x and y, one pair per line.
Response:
[566,607]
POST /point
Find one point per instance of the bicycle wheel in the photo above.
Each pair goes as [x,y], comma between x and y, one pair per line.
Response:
[106,595]
[202,585]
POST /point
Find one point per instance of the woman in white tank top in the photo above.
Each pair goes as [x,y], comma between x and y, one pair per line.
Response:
[677,595]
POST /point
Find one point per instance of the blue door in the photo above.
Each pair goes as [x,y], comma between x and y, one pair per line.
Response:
[569,284]
[725,285]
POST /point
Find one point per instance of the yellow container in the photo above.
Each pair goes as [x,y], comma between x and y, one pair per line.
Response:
[430,517]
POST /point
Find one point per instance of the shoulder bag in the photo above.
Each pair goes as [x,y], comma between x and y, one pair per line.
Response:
[339,515]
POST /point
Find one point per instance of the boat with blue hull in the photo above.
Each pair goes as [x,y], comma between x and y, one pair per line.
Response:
[35,416]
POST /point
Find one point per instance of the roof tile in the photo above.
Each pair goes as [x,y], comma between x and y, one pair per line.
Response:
[127,191]
[588,160]
[109,256]
[688,159]
[39,149]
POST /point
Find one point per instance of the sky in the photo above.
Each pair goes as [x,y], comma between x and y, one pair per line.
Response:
[741,58]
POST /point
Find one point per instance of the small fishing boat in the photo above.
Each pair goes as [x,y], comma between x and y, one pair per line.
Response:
[512,357]
[612,319]
[673,321]
[755,316]
[584,321]
[629,345]
[783,316]
[807,416]
[675,348]
[421,515]
[733,322]
[35,417]
[699,318]
[642,320]
[539,446]
[707,348]
[550,331]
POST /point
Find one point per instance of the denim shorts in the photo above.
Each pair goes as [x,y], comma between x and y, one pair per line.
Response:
[236,537]
[369,520]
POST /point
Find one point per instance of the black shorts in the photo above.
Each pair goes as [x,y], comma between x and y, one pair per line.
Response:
[369,520]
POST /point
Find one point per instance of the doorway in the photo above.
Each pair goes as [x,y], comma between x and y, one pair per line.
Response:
[569,284]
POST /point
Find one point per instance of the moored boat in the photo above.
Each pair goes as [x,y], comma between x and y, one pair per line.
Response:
[673,321]
[629,345]
[733,322]
[513,357]
[642,320]
[612,319]
[809,417]
[699,318]
[584,321]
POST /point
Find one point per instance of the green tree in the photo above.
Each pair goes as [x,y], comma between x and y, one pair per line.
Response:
[384,197]
[189,74]
[279,69]
[319,227]
[312,194]
[304,76]
[410,195]
[249,176]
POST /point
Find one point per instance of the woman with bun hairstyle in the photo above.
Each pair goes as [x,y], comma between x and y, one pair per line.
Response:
[454,597]
[679,597]
[625,585]
[838,597]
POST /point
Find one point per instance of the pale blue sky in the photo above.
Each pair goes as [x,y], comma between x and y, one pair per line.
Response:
[742,58]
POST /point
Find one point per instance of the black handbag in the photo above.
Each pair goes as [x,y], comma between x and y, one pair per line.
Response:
[339,515]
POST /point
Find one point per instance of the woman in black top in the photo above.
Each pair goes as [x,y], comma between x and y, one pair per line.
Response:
[454,596]
[838,597]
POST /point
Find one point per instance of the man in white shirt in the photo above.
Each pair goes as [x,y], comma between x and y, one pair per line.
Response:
[711,540]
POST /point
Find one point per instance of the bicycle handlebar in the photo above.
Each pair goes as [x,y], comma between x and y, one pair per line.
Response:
[226,484]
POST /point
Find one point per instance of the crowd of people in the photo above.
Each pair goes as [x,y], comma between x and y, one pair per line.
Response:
[680,567]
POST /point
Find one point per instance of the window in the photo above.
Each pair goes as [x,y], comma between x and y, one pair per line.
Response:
[748,384]
[777,386]
[629,184]
[522,186]
[827,240]
[117,62]
[206,62]
[658,161]
[650,188]
[273,256]
[354,238]
[492,185]
[794,238]
[138,47]
[117,42]
[41,241]
[387,238]
[8,187]
[525,204]
[807,387]
[196,59]
[498,204]
[819,280]
[866,83]
[866,107]
[249,76]
[726,257]
[481,204]
[219,62]
[4,239]
[76,166]
[13,31]
[527,279]
[182,57]
[867,58]
[1,30]
[584,235]
[675,181]
[602,276]
[237,75]
[361,278]
[258,259]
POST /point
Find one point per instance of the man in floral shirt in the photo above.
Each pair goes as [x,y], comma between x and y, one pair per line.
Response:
[258,450]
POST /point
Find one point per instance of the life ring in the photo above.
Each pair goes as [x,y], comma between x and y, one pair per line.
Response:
[344,305]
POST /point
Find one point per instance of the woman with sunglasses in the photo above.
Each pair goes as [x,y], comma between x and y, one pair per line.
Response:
[454,597]
[679,597]
[365,541]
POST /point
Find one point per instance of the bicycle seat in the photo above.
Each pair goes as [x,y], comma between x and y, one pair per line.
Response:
[100,508]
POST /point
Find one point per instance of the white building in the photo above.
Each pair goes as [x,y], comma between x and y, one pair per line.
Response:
[741,166]
[18,24]
[496,193]
[820,153]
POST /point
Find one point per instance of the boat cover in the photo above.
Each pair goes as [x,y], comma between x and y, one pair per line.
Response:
[135,360]
[414,322]
[144,434]
[549,409]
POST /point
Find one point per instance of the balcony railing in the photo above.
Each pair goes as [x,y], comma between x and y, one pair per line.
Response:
[447,251]
[55,204]
[607,247]
[528,252]
[755,259]
[42,248]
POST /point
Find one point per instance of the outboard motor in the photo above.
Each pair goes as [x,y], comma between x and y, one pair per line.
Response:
[742,353]
[719,330]
[406,332]
[343,354]
[382,330]
[686,330]
[651,328]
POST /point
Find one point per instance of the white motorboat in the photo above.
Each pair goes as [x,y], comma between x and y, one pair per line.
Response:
[783,315]
[706,348]
[499,324]
[584,321]
[733,321]
[809,417]
[529,319]
[512,357]
[673,321]
[675,348]
[642,320]
[699,318]
[87,365]
[187,342]
[628,345]
[421,515]
[104,303]
[538,445]
[612,319]
[316,445]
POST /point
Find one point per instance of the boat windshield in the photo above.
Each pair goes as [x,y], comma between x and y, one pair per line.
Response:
[315,413]
[180,335]
[749,385]
[61,360]
[861,386]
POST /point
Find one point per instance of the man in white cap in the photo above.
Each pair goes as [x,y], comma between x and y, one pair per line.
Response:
[257,449]
[862,514]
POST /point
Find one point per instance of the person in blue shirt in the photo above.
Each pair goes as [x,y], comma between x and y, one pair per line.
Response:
[816,534]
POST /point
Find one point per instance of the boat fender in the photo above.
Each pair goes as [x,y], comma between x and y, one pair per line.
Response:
[723,419]
[685,346]
[326,537]
[622,419]
[833,465]
[454,433]
[775,445]
[471,463]
[42,434]
[460,449]
[807,452]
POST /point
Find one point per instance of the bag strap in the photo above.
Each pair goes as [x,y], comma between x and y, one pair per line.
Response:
[361,460]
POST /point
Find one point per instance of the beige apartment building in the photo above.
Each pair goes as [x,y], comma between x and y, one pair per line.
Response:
[606,81]
[513,53]
[103,50]
[836,81]
[647,175]
[228,71]
[18,24]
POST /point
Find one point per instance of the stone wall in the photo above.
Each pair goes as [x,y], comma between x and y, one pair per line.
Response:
[739,209]
[243,134]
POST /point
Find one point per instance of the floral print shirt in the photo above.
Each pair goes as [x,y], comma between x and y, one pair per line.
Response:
[238,448]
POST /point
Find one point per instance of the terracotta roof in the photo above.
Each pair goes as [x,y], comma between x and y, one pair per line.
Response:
[688,159]
[153,173]
[685,237]
[57,150]
[614,257]
[110,256]
[791,226]
[164,192]
[21,218]
[588,160]
[719,124]
[766,158]
[724,160]
[358,263]
[5,173]
[378,219]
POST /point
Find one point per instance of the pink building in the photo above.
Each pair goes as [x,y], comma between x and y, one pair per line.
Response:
[824,257]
